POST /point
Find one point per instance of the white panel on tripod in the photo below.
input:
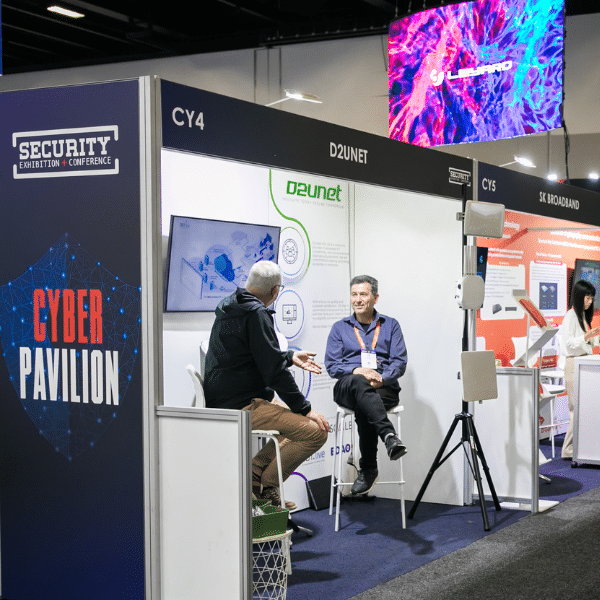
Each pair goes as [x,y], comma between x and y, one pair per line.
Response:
[478,374]
[484,219]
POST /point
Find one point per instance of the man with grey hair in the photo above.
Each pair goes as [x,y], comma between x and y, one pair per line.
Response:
[366,354]
[245,367]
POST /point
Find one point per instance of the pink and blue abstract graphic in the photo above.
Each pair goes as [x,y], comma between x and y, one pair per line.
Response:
[476,71]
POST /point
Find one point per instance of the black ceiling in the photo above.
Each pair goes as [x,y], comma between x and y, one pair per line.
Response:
[34,39]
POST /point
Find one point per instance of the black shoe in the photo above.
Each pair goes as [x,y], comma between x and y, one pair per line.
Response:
[395,448]
[364,481]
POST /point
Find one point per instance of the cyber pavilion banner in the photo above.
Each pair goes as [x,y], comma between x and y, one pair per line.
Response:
[71,448]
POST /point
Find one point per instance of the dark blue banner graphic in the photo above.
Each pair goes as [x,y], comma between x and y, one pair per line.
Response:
[71,434]
[69,331]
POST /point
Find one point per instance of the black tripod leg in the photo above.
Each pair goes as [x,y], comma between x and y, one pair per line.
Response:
[476,472]
[434,466]
[486,469]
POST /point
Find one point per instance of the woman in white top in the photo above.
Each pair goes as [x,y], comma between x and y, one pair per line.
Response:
[577,340]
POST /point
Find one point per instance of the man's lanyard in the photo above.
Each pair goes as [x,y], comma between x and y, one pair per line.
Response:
[375,337]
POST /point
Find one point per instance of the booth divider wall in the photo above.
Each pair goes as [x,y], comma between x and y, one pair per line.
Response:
[73,420]
[547,226]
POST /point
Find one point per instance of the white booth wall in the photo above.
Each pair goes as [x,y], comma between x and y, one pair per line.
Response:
[351,78]
[410,242]
[413,244]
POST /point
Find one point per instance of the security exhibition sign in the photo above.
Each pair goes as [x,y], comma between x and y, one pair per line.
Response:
[71,450]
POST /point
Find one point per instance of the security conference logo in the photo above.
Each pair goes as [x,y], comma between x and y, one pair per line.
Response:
[70,334]
[66,152]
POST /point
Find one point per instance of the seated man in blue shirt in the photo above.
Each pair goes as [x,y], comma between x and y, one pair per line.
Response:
[366,354]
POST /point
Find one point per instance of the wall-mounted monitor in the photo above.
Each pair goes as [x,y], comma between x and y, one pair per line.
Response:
[588,270]
[476,71]
[207,260]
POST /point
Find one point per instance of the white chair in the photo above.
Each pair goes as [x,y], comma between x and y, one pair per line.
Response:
[203,353]
[337,483]
[198,382]
[257,434]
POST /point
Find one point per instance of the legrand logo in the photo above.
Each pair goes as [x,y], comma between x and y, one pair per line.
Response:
[66,152]
[437,77]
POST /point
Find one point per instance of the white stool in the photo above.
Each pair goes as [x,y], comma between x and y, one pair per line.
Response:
[271,434]
[549,394]
[341,415]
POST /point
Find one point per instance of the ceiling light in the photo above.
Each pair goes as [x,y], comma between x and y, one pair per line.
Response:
[594,176]
[521,160]
[552,176]
[296,95]
[65,12]
[524,161]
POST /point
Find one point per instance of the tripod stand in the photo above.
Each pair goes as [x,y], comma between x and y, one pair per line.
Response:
[475,452]
[479,370]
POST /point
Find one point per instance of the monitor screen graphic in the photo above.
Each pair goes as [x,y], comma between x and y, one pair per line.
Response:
[476,71]
[208,260]
[588,270]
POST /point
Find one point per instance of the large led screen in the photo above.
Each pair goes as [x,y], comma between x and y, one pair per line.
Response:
[476,71]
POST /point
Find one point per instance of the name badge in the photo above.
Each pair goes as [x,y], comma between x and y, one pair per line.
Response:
[368,359]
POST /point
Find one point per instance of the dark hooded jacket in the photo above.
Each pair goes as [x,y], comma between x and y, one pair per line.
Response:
[244,360]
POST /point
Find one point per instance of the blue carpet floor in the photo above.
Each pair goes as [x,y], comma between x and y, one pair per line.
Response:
[565,481]
[371,546]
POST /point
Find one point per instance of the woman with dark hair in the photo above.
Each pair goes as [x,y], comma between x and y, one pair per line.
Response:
[577,340]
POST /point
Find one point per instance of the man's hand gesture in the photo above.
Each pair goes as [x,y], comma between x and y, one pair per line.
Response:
[305,361]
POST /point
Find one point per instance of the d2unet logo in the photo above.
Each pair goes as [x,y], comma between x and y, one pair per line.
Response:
[66,152]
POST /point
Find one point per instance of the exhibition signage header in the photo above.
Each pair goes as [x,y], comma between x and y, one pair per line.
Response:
[534,195]
[65,152]
[199,121]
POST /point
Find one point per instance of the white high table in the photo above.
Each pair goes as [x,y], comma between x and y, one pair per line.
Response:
[586,424]
[508,431]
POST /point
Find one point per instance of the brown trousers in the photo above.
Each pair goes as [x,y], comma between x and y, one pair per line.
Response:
[300,438]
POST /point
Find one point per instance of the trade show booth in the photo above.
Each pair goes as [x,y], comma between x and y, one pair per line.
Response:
[549,227]
[107,467]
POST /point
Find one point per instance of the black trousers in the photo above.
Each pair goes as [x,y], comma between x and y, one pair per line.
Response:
[369,405]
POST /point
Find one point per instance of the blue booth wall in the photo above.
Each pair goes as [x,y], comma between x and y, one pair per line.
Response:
[71,441]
